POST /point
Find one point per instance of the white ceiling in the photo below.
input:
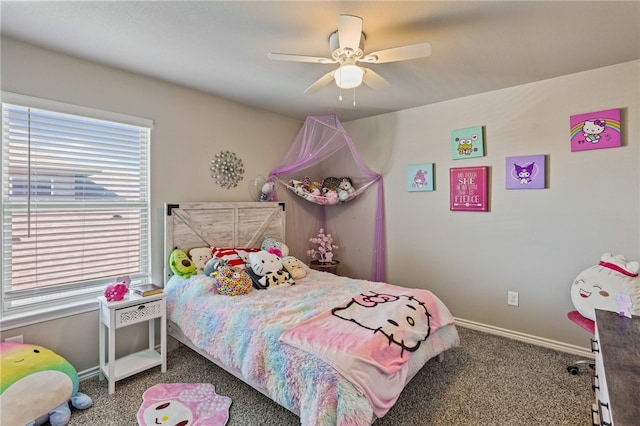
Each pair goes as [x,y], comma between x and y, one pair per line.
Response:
[221,47]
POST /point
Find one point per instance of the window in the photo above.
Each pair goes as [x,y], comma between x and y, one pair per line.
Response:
[75,202]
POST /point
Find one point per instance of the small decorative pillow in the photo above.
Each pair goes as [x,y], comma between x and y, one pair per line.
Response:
[232,281]
[244,253]
[200,256]
[229,255]
[294,267]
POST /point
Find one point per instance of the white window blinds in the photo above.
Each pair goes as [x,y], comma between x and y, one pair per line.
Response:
[75,206]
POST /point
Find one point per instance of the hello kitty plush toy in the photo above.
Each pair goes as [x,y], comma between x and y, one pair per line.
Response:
[611,285]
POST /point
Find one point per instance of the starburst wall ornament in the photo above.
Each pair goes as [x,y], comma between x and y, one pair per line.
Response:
[227,169]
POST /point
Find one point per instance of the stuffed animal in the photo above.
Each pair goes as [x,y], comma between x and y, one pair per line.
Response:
[330,184]
[331,197]
[180,264]
[214,266]
[115,292]
[232,281]
[267,270]
[345,189]
[200,256]
[294,267]
[36,386]
[118,290]
[272,242]
[611,285]
[266,191]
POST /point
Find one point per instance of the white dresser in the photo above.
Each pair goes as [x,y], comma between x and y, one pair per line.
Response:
[617,376]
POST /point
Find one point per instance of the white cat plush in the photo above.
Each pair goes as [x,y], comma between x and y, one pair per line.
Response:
[611,285]
[267,270]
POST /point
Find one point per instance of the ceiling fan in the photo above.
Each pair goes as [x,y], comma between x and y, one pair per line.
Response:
[347,49]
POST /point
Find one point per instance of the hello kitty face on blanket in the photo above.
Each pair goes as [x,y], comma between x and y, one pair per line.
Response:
[611,285]
[404,320]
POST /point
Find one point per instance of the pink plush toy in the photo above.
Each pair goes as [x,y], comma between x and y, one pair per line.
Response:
[118,290]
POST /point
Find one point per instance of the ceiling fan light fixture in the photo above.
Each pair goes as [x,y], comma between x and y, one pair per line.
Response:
[349,76]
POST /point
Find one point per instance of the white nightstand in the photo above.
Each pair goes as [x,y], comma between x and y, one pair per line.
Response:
[133,310]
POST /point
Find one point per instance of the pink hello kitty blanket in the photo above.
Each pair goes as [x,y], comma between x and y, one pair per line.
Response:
[370,338]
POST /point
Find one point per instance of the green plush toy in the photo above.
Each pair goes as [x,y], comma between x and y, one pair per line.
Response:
[181,265]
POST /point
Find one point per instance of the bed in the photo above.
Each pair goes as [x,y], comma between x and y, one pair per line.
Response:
[281,341]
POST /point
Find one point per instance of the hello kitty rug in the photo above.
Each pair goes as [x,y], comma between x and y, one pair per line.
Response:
[183,404]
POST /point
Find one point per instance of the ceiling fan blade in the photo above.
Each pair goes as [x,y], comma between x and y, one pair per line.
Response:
[403,53]
[300,58]
[349,31]
[374,80]
[321,82]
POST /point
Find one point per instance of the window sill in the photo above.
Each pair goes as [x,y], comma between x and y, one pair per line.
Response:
[22,320]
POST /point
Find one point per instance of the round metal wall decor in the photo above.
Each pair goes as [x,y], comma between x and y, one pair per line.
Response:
[227,169]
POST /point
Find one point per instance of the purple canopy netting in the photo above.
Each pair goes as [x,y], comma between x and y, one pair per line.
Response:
[320,138]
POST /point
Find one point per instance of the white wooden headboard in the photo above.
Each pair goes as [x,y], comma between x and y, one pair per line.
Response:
[216,224]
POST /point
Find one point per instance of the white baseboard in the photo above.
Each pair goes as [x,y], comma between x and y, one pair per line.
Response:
[89,373]
[527,338]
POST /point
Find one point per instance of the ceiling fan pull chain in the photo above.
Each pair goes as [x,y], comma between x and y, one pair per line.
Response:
[354,97]
[340,93]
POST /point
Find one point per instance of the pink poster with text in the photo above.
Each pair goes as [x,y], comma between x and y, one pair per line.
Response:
[468,189]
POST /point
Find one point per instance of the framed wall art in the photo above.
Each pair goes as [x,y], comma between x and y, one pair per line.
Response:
[595,130]
[467,143]
[420,177]
[526,172]
[468,189]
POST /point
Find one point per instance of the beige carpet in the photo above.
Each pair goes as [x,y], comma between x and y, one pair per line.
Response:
[488,380]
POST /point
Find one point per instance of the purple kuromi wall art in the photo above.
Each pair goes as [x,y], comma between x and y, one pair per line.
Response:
[595,130]
[525,172]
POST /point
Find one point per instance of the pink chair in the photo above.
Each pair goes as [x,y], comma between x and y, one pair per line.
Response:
[590,326]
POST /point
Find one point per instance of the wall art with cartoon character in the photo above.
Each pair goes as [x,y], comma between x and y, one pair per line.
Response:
[420,177]
[467,143]
[525,172]
[595,130]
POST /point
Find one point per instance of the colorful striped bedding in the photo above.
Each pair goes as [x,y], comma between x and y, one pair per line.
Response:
[243,333]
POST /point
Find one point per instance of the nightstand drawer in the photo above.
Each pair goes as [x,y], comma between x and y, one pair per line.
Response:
[138,313]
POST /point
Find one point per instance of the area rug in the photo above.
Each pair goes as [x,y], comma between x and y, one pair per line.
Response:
[183,404]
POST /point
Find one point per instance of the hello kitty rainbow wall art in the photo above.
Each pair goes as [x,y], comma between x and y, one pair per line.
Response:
[595,130]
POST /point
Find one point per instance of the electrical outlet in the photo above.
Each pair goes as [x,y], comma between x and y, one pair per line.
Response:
[512,298]
[17,339]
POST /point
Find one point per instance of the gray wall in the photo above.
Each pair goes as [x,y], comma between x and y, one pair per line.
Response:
[189,129]
[533,242]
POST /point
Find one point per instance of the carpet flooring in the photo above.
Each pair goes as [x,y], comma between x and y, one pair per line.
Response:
[488,380]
